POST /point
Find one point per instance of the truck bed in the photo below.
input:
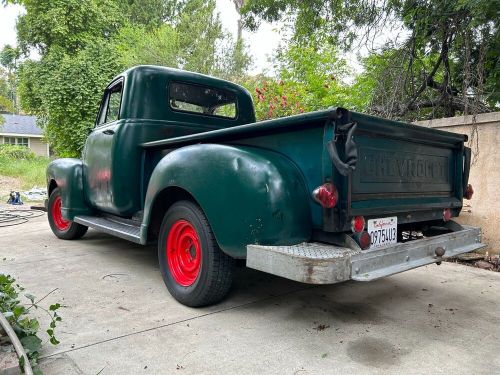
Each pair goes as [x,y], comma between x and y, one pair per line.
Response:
[298,122]
[403,169]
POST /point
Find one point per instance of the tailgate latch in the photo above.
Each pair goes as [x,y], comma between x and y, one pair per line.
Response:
[346,132]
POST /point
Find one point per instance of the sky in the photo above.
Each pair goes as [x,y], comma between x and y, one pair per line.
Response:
[8,17]
[261,43]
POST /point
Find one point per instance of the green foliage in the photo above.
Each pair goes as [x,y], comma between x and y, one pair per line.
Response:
[199,32]
[310,79]
[446,59]
[29,168]
[70,25]
[7,81]
[4,84]
[64,91]
[84,44]
[151,13]
[9,56]
[16,152]
[136,45]
[196,42]
[322,73]
[17,314]
[6,105]
[274,98]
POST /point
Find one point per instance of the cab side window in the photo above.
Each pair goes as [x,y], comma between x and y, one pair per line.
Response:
[110,109]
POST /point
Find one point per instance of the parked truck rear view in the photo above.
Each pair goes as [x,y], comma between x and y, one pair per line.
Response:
[177,159]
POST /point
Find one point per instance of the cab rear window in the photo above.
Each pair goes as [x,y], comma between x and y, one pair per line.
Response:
[204,100]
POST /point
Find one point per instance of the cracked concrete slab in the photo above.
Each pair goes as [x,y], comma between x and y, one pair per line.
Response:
[120,319]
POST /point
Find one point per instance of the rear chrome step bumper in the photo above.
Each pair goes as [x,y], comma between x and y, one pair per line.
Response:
[318,263]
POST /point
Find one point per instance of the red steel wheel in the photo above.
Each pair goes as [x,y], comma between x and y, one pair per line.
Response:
[193,267]
[183,251]
[62,228]
[61,223]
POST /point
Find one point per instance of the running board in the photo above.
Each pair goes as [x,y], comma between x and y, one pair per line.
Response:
[115,227]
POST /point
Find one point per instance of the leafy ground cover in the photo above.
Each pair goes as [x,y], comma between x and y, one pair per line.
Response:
[17,307]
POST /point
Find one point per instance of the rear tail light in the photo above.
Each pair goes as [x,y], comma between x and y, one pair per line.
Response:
[358,224]
[363,239]
[446,214]
[326,195]
[469,191]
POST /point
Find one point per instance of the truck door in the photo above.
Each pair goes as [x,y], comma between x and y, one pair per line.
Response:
[97,154]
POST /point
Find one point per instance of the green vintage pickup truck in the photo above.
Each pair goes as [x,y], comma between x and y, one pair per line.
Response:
[177,158]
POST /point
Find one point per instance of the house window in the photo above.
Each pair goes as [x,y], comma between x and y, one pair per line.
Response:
[16,141]
[9,140]
[22,142]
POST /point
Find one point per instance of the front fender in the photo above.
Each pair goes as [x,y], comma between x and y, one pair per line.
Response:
[68,176]
[249,195]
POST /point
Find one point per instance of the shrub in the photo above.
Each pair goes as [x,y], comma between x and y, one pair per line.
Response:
[16,152]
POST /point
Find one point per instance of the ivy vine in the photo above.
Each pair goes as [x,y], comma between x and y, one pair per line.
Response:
[25,326]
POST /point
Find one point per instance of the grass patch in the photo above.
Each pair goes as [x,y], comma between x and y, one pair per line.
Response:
[30,171]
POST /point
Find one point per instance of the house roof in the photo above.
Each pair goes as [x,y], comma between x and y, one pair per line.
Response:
[20,125]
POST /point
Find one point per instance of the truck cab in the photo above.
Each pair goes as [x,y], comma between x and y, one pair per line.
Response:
[177,159]
[147,104]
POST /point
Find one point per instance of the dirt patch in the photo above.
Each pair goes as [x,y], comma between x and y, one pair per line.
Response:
[483,261]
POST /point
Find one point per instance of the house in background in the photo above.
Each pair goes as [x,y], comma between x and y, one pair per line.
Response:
[22,131]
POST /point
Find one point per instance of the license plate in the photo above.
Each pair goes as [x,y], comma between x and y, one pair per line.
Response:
[383,231]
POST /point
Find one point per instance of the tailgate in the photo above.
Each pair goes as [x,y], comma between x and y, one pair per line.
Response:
[403,167]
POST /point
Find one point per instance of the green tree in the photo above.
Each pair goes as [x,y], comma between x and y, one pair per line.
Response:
[70,24]
[9,60]
[83,44]
[9,57]
[64,91]
[195,42]
[63,88]
[6,103]
[151,13]
[310,78]
[445,61]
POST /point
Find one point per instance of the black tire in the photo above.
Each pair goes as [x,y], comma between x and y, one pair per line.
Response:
[215,272]
[70,230]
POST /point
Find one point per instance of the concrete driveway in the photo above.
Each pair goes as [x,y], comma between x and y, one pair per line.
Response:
[120,319]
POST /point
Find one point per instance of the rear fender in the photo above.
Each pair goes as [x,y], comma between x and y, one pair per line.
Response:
[249,195]
[67,174]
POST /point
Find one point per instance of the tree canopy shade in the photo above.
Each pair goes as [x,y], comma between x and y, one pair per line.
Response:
[445,61]
[84,43]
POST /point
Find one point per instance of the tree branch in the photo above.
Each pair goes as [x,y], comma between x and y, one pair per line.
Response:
[442,88]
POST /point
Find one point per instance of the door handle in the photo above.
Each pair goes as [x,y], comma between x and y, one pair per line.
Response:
[109,132]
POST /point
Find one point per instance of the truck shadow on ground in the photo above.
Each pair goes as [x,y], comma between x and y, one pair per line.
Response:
[374,323]
[347,302]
